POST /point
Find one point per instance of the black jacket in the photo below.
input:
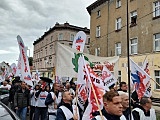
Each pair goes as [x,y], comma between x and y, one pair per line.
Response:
[22,99]
[108,116]
[60,114]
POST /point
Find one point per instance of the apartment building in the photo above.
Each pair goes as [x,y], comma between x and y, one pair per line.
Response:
[108,33]
[44,56]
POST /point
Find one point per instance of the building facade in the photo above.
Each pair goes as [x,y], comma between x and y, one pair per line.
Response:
[108,33]
[44,56]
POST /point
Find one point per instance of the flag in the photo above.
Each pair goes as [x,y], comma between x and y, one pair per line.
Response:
[64,65]
[140,78]
[107,77]
[25,70]
[145,67]
[79,41]
[92,104]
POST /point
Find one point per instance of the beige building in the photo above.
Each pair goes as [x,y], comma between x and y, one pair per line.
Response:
[108,33]
[44,56]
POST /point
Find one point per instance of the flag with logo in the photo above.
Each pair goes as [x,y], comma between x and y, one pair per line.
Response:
[140,78]
[107,77]
[25,70]
[145,67]
[79,41]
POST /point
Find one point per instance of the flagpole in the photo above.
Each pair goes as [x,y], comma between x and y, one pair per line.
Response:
[128,59]
[155,82]
[93,90]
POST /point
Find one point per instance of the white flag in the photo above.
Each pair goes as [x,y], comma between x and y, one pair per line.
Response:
[145,67]
[107,77]
[25,70]
[79,41]
[140,78]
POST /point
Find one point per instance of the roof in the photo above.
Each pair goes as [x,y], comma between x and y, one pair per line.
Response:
[62,27]
[95,5]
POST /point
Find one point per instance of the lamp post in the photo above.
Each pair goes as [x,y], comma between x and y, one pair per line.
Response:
[26,48]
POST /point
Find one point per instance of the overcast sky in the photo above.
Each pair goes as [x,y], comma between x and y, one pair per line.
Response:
[31,18]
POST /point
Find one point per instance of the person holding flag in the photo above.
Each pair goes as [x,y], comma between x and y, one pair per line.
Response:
[112,107]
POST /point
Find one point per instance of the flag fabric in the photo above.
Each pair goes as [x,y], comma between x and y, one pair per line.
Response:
[79,41]
[145,67]
[25,70]
[99,92]
[64,65]
[140,78]
[107,77]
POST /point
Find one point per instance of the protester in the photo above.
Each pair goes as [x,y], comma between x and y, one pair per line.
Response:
[125,103]
[68,87]
[22,101]
[144,111]
[41,109]
[112,107]
[5,85]
[51,102]
[67,111]
[33,102]
[123,87]
[15,86]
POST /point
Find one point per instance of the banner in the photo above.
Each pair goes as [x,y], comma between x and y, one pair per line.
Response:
[25,70]
[66,56]
[79,41]
[145,67]
[140,78]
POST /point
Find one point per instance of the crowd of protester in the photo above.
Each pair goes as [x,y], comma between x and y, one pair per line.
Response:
[57,102]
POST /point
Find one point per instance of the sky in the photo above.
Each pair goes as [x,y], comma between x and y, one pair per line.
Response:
[31,18]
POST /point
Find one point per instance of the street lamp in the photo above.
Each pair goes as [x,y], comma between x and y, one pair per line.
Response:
[26,48]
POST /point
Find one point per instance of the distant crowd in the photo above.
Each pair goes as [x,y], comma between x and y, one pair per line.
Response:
[46,101]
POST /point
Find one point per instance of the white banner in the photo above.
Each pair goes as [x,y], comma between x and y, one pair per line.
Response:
[79,41]
[25,70]
[66,56]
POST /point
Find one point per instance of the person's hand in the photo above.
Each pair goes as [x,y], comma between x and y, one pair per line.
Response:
[16,108]
[75,117]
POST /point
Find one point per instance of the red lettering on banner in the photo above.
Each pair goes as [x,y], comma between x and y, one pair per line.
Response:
[24,58]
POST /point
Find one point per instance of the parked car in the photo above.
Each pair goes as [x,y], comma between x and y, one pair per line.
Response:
[6,113]
[4,96]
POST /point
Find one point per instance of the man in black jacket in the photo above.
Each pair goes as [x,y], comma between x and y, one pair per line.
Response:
[112,107]
[66,111]
[22,101]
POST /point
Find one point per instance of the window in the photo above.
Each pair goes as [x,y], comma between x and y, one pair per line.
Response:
[156,9]
[88,40]
[157,42]
[119,76]
[72,37]
[118,3]
[98,28]
[51,46]
[118,49]
[157,78]
[51,38]
[134,46]
[133,18]
[97,51]
[98,13]
[46,51]
[118,23]
[60,37]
